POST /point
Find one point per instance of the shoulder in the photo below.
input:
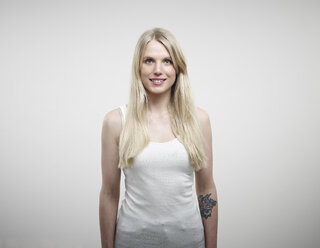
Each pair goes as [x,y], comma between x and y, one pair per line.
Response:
[111,127]
[204,121]
[203,116]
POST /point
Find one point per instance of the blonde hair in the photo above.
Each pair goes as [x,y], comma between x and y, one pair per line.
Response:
[183,116]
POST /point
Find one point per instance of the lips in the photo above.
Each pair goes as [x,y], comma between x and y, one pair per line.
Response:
[157,80]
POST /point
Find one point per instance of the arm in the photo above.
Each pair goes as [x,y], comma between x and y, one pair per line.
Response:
[205,187]
[110,189]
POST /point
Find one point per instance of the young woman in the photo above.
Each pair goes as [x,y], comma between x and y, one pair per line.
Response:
[160,140]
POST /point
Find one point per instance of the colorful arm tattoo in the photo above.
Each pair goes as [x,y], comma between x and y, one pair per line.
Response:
[206,204]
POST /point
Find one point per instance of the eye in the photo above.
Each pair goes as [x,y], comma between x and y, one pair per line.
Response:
[167,61]
[148,61]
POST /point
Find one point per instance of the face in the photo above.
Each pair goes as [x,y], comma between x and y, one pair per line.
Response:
[157,71]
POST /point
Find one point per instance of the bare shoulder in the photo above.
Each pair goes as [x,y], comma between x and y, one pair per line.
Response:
[111,174]
[204,121]
[203,116]
[111,127]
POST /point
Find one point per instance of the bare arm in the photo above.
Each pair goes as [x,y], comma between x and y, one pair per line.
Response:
[110,189]
[205,187]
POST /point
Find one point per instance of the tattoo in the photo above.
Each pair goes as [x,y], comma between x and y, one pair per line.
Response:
[206,204]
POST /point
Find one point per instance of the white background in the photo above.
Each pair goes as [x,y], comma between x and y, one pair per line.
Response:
[253,65]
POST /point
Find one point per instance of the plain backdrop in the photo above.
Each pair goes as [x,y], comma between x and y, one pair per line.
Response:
[253,66]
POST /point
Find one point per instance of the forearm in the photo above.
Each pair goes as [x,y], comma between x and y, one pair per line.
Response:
[208,206]
[108,208]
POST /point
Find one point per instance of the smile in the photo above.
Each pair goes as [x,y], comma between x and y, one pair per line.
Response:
[157,80]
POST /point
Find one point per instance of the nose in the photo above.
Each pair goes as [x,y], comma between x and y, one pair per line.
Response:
[157,69]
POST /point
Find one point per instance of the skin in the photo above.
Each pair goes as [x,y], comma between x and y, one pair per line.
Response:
[205,184]
[155,64]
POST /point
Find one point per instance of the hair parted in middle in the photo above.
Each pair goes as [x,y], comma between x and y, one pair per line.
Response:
[183,116]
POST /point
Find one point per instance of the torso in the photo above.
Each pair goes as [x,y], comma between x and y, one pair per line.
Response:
[159,209]
[159,129]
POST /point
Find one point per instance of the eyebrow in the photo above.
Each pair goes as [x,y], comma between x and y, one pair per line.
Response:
[149,57]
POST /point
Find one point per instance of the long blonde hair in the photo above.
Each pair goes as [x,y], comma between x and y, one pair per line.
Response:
[183,116]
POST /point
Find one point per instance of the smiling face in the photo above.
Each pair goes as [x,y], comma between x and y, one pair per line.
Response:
[157,71]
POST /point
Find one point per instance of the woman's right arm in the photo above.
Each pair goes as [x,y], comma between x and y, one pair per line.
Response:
[110,189]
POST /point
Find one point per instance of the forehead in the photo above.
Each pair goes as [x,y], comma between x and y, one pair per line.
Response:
[155,49]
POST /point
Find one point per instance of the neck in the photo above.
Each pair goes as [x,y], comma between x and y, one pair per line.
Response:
[158,104]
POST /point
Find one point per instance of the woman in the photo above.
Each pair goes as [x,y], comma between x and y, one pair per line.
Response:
[160,140]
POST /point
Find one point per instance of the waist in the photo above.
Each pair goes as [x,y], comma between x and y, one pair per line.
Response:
[160,232]
[160,212]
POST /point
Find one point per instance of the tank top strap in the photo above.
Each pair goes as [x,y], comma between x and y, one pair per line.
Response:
[123,110]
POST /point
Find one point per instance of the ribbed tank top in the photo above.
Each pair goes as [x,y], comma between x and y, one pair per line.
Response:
[159,207]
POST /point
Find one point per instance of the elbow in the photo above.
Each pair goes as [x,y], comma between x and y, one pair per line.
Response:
[109,193]
[209,186]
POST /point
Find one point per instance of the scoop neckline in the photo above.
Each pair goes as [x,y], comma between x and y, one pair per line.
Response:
[154,142]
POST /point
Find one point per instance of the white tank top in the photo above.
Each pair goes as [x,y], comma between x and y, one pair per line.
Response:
[159,207]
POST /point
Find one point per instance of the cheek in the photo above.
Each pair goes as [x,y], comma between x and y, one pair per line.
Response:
[171,72]
[144,71]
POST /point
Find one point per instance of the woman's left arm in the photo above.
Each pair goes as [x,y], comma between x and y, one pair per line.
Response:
[205,186]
